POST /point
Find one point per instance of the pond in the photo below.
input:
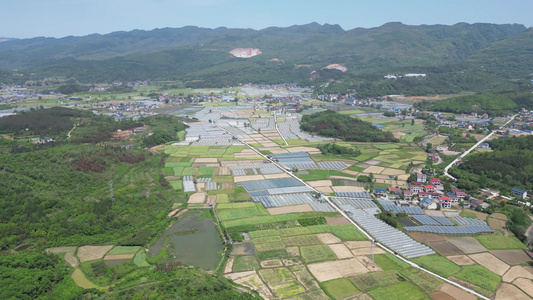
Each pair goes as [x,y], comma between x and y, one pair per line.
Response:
[193,240]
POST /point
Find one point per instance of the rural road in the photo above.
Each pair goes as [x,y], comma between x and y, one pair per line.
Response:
[356,225]
[473,147]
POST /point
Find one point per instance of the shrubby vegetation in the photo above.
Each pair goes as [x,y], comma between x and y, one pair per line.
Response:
[509,165]
[336,149]
[492,104]
[335,125]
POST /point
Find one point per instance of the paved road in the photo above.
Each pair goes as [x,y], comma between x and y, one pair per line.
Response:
[473,147]
[359,228]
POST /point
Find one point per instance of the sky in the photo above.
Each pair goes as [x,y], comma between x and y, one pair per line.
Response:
[60,18]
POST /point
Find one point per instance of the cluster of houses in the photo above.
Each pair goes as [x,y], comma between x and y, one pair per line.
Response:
[430,194]
[130,109]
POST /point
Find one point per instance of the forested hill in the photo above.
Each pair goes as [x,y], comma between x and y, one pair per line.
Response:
[509,165]
[334,125]
[288,54]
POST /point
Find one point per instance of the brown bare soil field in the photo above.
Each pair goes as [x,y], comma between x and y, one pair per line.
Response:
[461,260]
[238,275]
[337,221]
[426,237]
[393,172]
[373,162]
[436,213]
[510,292]
[357,244]
[328,238]
[490,262]
[398,134]
[119,256]
[367,262]
[228,163]
[229,264]
[445,248]
[499,216]
[278,151]
[362,296]
[275,176]
[228,185]
[254,281]
[200,186]
[71,259]
[479,215]
[309,150]
[467,244]
[525,285]
[57,250]
[319,183]
[455,292]
[87,253]
[206,160]
[224,171]
[374,169]
[336,269]
[496,224]
[348,188]
[173,177]
[248,178]
[366,251]
[512,257]
[516,272]
[211,198]
[289,209]
[197,198]
[271,263]
[440,296]
[341,251]
[349,172]
[324,190]
[293,251]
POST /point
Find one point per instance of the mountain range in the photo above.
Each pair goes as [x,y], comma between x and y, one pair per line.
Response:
[200,55]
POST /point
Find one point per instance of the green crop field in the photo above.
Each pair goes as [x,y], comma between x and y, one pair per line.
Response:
[387,262]
[348,233]
[496,242]
[284,274]
[269,276]
[287,289]
[282,253]
[399,291]
[317,253]
[356,169]
[117,250]
[340,288]
[267,239]
[438,264]
[372,280]
[480,276]
[301,240]
[205,171]
[263,233]
[294,231]
[140,259]
[245,263]
[242,213]
[321,175]
[269,247]
[427,283]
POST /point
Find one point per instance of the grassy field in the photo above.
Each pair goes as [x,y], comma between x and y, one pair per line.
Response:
[266,247]
[427,283]
[317,253]
[117,250]
[245,263]
[340,288]
[242,212]
[399,291]
[81,280]
[467,214]
[497,242]
[347,233]
[284,274]
[388,262]
[369,281]
[140,259]
[287,289]
[269,276]
[480,276]
[438,264]
[301,240]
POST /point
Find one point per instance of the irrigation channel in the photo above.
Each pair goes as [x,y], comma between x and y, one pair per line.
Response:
[412,264]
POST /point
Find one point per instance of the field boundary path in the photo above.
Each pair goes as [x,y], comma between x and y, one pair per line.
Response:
[412,264]
[460,157]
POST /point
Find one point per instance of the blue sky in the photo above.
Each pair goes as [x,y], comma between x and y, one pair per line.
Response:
[59,18]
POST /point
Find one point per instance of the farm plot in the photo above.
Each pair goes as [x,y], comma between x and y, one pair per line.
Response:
[512,257]
[496,242]
[88,253]
[480,276]
[400,291]
[468,245]
[302,240]
[369,281]
[438,264]
[445,248]
[329,270]
[340,288]
[490,262]
[245,263]
[317,253]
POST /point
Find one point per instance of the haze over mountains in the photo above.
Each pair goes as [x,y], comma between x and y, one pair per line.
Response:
[288,54]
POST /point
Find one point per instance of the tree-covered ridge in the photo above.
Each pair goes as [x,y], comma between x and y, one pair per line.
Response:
[335,125]
[62,196]
[46,121]
[509,165]
[492,103]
